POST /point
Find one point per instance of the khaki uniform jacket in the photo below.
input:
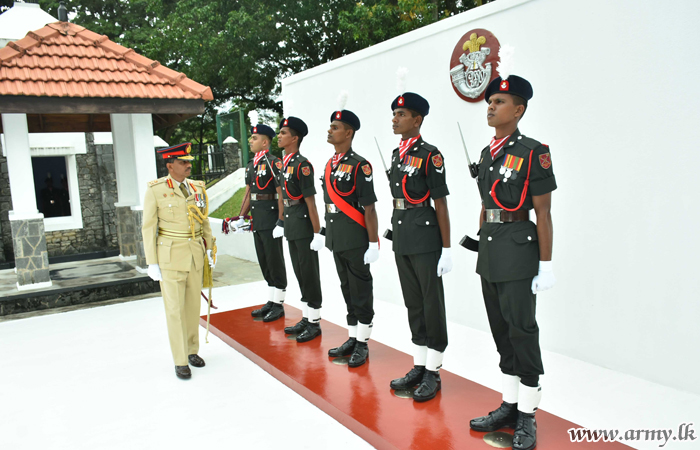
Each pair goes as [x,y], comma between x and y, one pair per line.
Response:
[166,207]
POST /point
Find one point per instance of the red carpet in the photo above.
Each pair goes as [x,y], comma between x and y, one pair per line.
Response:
[361,398]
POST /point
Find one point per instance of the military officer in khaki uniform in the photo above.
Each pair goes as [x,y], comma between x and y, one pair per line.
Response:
[515,176]
[176,237]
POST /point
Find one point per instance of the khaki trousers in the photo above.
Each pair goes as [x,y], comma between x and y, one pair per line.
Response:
[181,292]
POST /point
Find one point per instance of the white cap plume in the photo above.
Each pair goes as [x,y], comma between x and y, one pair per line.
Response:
[343,100]
[401,74]
[253,116]
[506,65]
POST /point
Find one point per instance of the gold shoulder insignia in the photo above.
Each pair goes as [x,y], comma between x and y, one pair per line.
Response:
[158,181]
[199,183]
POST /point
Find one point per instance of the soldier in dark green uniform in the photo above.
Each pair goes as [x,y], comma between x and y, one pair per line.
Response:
[515,176]
[351,232]
[301,226]
[421,242]
[263,198]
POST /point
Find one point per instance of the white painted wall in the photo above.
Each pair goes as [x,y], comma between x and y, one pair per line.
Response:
[615,89]
[224,189]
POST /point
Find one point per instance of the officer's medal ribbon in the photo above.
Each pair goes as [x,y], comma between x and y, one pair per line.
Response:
[510,168]
[262,170]
[413,164]
[343,171]
[288,174]
[199,200]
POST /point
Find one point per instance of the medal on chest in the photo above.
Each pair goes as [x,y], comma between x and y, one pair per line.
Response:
[199,200]
[288,174]
[511,167]
[343,171]
[411,165]
[262,170]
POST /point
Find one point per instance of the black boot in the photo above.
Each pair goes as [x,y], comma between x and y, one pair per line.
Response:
[344,350]
[429,386]
[276,312]
[298,328]
[262,311]
[412,378]
[183,372]
[359,354]
[525,436]
[505,416]
[313,330]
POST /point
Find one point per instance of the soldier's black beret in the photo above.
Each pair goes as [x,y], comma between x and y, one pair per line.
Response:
[412,101]
[348,117]
[295,124]
[262,129]
[514,85]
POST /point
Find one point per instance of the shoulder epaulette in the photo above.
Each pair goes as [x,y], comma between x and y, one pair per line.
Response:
[530,143]
[429,147]
[199,183]
[158,181]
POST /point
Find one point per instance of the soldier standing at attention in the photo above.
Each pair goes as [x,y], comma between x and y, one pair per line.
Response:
[421,242]
[351,232]
[515,255]
[176,236]
[263,198]
[301,226]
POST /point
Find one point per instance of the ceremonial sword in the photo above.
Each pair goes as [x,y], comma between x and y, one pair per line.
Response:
[467,242]
[382,158]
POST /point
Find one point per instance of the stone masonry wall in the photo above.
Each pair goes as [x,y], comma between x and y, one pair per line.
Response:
[5,207]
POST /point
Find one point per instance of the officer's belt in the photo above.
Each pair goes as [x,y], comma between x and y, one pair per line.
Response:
[288,202]
[402,203]
[178,235]
[503,216]
[333,209]
[257,197]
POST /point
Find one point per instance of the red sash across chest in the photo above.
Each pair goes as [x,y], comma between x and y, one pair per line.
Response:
[344,206]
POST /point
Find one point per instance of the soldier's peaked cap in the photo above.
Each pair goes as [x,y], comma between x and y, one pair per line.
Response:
[411,101]
[180,151]
[514,85]
[295,124]
[348,117]
[263,129]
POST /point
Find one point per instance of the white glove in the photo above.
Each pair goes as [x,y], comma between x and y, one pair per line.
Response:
[278,231]
[211,259]
[239,223]
[372,253]
[318,242]
[544,279]
[154,272]
[445,263]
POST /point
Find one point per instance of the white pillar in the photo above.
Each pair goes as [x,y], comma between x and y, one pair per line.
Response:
[19,167]
[134,156]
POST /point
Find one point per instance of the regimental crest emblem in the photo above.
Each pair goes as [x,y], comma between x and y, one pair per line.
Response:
[400,101]
[437,161]
[367,170]
[278,164]
[286,122]
[306,171]
[546,160]
[337,115]
[471,66]
[255,130]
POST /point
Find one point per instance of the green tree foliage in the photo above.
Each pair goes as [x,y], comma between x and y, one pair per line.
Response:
[242,48]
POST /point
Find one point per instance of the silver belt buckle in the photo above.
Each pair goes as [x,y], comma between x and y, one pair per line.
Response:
[332,209]
[399,203]
[493,215]
[253,197]
[286,202]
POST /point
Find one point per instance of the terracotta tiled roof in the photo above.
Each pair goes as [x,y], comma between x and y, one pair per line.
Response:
[67,60]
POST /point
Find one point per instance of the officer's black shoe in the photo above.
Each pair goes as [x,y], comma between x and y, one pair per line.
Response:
[262,312]
[298,328]
[525,436]
[359,354]
[183,372]
[312,331]
[277,312]
[429,386]
[344,350]
[196,360]
[505,416]
[412,378]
